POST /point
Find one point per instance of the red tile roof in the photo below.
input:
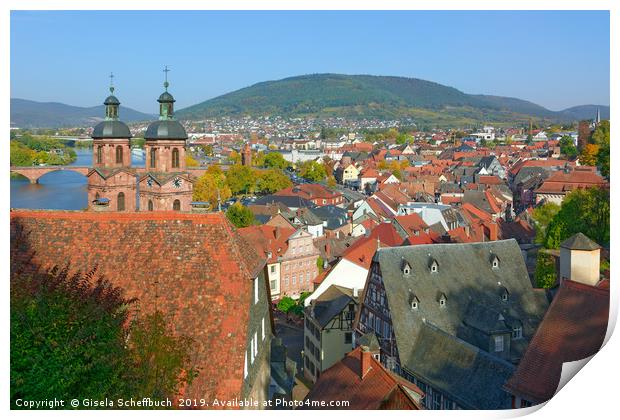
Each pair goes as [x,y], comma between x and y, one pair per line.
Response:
[561,182]
[362,251]
[267,238]
[374,389]
[387,234]
[193,267]
[308,191]
[573,328]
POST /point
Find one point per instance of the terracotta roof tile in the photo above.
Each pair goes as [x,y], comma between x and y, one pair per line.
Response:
[573,328]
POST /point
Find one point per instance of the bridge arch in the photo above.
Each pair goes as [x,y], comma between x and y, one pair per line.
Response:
[33,173]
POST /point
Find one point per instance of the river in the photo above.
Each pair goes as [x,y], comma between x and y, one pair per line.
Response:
[61,190]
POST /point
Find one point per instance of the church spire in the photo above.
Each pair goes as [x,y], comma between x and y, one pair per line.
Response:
[598,115]
[166,100]
[111,103]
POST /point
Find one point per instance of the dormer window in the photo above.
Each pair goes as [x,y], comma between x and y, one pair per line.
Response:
[406,267]
[494,262]
[504,295]
[442,300]
[413,300]
[434,266]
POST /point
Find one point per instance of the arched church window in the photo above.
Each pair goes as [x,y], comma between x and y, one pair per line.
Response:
[120,201]
[119,154]
[99,154]
[175,158]
[176,206]
[152,157]
[150,205]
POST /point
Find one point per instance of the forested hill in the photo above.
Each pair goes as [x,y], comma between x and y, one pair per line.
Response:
[29,114]
[363,96]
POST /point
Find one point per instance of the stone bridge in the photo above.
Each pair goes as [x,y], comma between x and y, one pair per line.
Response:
[33,173]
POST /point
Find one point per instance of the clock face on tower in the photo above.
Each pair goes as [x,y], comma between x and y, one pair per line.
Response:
[177,182]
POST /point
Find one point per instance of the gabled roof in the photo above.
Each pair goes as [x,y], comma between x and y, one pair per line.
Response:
[368,391]
[362,251]
[387,234]
[573,328]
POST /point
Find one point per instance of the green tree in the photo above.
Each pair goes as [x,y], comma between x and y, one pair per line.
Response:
[567,147]
[543,215]
[69,339]
[240,179]
[276,160]
[313,171]
[583,210]
[286,304]
[240,216]
[20,154]
[210,187]
[545,273]
[272,180]
[160,360]
[600,135]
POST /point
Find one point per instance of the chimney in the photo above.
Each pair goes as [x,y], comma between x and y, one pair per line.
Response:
[365,361]
[467,230]
[328,249]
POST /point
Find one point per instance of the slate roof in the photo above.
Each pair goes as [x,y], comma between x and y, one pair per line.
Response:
[111,129]
[574,328]
[581,242]
[334,216]
[192,267]
[165,130]
[465,374]
[327,306]
[466,277]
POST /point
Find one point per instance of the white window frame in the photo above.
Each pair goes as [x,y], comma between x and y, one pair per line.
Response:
[255,344]
[499,343]
[245,365]
[263,328]
[256,290]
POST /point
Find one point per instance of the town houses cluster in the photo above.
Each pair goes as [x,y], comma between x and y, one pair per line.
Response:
[414,261]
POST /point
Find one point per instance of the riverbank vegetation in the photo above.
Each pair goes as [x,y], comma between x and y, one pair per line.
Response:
[28,150]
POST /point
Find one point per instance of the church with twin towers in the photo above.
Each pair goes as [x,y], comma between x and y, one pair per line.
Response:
[163,184]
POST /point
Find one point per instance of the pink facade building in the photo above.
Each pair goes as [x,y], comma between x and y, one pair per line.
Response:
[298,264]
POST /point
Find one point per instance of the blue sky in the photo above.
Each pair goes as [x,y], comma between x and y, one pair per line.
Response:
[557,59]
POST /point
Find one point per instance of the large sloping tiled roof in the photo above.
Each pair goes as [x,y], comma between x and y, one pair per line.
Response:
[192,267]
[573,328]
[344,382]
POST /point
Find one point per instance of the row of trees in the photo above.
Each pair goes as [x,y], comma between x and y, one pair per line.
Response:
[595,149]
[74,336]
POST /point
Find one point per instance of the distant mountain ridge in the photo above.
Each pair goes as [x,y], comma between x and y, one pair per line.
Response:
[365,96]
[31,114]
[328,95]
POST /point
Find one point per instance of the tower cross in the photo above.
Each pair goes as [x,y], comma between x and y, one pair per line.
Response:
[111,82]
[166,70]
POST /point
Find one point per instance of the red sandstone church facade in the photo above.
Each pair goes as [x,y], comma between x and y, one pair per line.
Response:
[163,185]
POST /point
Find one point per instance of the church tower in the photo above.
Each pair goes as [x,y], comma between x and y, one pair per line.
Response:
[246,155]
[165,185]
[111,181]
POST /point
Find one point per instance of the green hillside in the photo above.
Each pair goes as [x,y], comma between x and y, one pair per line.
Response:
[363,96]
